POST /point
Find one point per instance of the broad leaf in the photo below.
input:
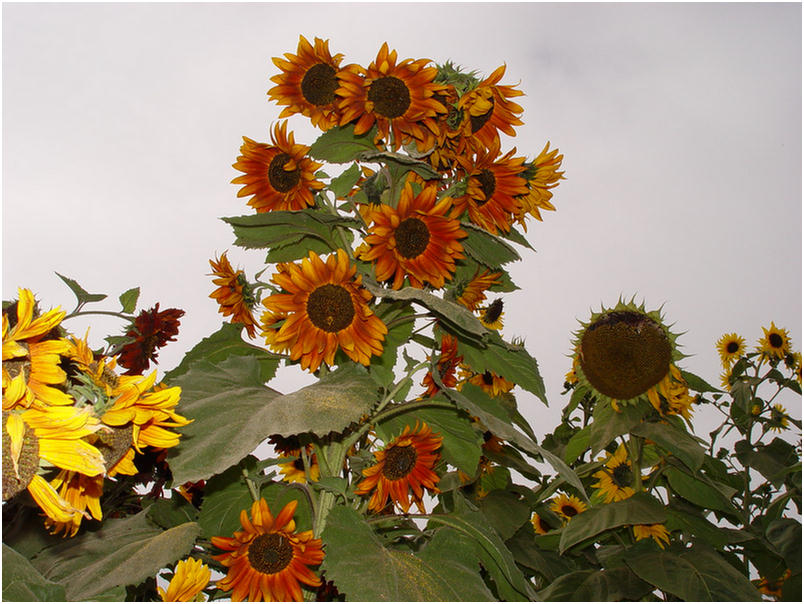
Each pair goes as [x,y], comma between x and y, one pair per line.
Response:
[226,496]
[168,513]
[343,183]
[454,555]
[403,162]
[82,295]
[23,583]
[505,512]
[608,423]
[611,585]
[676,440]
[697,491]
[577,444]
[340,145]
[487,249]
[128,299]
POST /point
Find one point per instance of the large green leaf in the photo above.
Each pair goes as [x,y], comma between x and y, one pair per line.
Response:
[611,585]
[343,183]
[505,511]
[122,552]
[701,528]
[785,537]
[486,248]
[608,423]
[340,145]
[674,439]
[528,554]
[697,491]
[640,508]
[226,496]
[454,555]
[23,583]
[774,460]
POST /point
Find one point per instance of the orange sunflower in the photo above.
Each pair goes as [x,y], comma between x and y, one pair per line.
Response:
[307,83]
[325,308]
[279,176]
[542,175]
[405,463]
[397,97]
[417,240]
[492,384]
[447,364]
[474,292]
[234,294]
[268,559]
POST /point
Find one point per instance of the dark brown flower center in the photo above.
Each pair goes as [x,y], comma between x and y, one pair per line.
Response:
[494,311]
[732,347]
[488,379]
[621,475]
[775,340]
[282,180]
[114,443]
[412,237]
[488,184]
[330,308]
[399,461]
[544,526]
[27,464]
[270,553]
[625,353]
[298,464]
[390,96]
[319,84]
[568,510]
[478,121]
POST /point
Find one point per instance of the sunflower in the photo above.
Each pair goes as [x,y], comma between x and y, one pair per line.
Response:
[405,463]
[152,329]
[474,292]
[491,316]
[268,558]
[616,477]
[778,420]
[775,344]
[307,83]
[730,347]
[494,183]
[189,579]
[540,527]
[417,240]
[567,506]
[773,588]
[397,97]
[279,176]
[542,175]
[492,384]
[234,295]
[658,532]
[293,471]
[325,308]
[671,396]
[82,493]
[448,362]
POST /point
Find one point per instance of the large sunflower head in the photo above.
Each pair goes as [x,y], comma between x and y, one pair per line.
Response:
[404,465]
[268,559]
[323,308]
[307,83]
[417,240]
[615,479]
[396,96]
[775,344]
[151,330]
[234,294]
[730,347]
[278,176]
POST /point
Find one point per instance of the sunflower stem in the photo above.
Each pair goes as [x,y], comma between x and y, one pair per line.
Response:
[410,406]
[634,446]
[79,313]
[252,488]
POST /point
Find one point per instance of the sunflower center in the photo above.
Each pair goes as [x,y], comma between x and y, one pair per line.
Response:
[412,237]
[544,526]
[488,379]
[390,96]
[488,183]
[16,480]
[624,353]
[330,308]
[494,311]
[319,84]
[115,443]
[478,121]
[775,340]
[282,180]
[399,461]
[732,347]
[569,511]
[269,554]
[621,475]
[298,464]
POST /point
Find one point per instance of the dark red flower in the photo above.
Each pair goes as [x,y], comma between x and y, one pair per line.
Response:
[151,330]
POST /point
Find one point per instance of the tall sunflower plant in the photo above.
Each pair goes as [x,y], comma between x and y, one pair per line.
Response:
[404,471]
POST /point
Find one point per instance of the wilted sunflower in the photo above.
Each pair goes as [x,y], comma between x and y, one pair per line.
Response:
[82,493]
[278,176]
[268,559]
[235,296]
[474,292]
[151,330]
[417,240]
[775,344]
[325,308]
[488,111]
[189,579]
[540,527]
[447,363]
[542,175]
[406,463]
[730,347]
[615,480]
[657,532]
[307,83]
[397,97]
[567,506]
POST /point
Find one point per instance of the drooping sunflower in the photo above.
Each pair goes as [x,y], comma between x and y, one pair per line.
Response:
[152,329]
[447,363]
[567,506]
[189,579]
[307,83]
[542,175]
[671,396]
[406,463]
[325,308]
[399,97]
[775,344]
[268,559]
[657,532]
[730,347]
[235,295]
[82,493]
[540,527]
[417,240]
[615,480]
[279,176]
[472,294]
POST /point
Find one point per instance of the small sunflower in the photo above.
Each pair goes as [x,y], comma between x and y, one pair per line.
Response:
[82,493]
[616,477]
[567,506]
[657,532]
[307,83]
[325,308]
[778,420]
[775,344]
[406,463]
[234,294]
[671,396]
[540,527]
[492,384]
[448,362]
[268,559]
[189,579]
[151,330]
[773,588]
[293,471]
[279,176]
[472,294]
[730,347]
[491,316]
[542,175]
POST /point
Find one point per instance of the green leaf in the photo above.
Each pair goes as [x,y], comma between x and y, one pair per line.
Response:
[514,235]
[342,184]
[487,249]
[610,585]
[168,513]
[23,583]
[640,508]
[401,162]
[542,561]
[340,145]
[122,552]
[785,537]
[453,554]
[698,574]
[698,384]
[608,423]
[505,511]
[577,444]
[81,294]
[701,528]
[676,440]
[697,491]
[128,299]
[398,334]
[774,460]
[226,495]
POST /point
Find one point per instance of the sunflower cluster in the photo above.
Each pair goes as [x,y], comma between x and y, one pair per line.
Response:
[69,419]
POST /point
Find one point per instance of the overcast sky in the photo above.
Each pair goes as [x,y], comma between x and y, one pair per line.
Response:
[680,125]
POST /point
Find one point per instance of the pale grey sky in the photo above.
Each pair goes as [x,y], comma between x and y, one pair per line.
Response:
[680,125]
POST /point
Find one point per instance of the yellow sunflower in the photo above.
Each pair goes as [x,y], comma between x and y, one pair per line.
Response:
[492,384]
[567,506]
[397,97]
[542,175]
[325,308]
[278,176]
[293,471]
[540,527]
[189,579]
[268,559]
[657,532]
[406,463]
[778,420]
[307,83]
[616,477]
[775,344]
[234,294]
[491,315]
[417,240]
[82,493]
[730,347]
[472,294]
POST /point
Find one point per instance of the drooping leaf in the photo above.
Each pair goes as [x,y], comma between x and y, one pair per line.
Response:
[677,441]
[774,460]
[128,299]
[505,511]
[402,162]
[168,513]
[82,295]
[23,583]
[340,145]
[697,384]
[702,529]
[226,496]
